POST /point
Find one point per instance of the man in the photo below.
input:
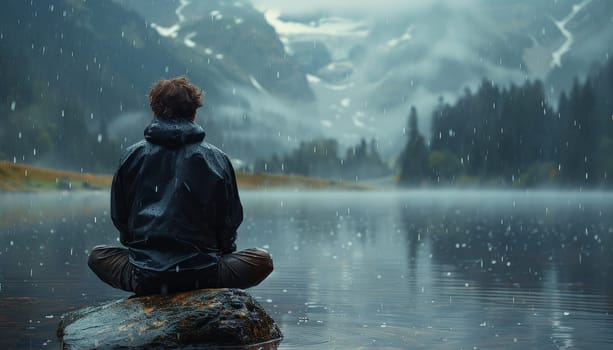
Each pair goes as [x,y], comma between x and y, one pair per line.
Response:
[175,203]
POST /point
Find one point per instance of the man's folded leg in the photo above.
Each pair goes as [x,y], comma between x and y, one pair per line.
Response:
[112,266]
[244,269]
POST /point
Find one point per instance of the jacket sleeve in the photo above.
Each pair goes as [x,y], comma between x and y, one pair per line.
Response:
[232,210]
[120,211]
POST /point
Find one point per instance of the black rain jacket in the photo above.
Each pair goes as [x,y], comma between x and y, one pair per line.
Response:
[174,199]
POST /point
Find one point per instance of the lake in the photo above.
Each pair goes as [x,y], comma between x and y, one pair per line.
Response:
[356,270]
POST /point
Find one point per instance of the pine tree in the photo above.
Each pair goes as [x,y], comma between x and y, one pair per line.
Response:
[414,159]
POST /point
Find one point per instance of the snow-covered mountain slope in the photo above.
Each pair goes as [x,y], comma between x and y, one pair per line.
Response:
[377,66]
[269,96]
[274,78]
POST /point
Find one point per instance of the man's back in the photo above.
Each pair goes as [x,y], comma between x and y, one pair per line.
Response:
[175,203]
[174,199]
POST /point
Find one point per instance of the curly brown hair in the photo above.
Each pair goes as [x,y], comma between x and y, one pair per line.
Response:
[175,98]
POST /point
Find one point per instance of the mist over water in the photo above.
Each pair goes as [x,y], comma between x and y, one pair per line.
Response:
[415,269]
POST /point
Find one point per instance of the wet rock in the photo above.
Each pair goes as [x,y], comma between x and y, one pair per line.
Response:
[198,318]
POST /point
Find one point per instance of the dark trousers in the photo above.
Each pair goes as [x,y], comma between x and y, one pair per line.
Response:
[242,269]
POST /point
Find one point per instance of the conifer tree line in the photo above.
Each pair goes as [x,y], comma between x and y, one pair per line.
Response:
[495,136]
[320,158]
[513,137]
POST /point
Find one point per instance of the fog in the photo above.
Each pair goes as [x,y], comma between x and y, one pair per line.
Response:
[414,52]
[363,9]
[279,74]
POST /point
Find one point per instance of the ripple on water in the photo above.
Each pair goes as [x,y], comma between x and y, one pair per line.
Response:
[420,270]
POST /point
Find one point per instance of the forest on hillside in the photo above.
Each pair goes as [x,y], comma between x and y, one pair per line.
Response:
[73,90]
[512,136]
[74,84]
[495,136]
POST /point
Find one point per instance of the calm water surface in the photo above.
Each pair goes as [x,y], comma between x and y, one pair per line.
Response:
[419,270]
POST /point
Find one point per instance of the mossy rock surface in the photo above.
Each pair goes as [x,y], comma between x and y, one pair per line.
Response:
[206,317]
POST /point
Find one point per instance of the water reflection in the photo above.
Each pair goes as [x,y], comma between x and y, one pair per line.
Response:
[456,270]
[540,257]
[517,241]
[371,270]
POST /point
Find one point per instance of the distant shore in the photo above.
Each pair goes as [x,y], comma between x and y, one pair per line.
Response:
[26,178]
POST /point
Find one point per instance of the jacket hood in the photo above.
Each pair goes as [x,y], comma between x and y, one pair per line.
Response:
[173,132]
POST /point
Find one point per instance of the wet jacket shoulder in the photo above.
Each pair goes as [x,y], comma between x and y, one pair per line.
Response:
[174,199]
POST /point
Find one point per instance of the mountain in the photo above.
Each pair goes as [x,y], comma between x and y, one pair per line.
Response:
[375,66]
[232,32]
[76,75]
[273,103]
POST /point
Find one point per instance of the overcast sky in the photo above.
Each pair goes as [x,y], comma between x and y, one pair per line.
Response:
[355,7]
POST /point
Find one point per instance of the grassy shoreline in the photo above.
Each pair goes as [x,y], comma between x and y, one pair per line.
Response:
[26,178]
